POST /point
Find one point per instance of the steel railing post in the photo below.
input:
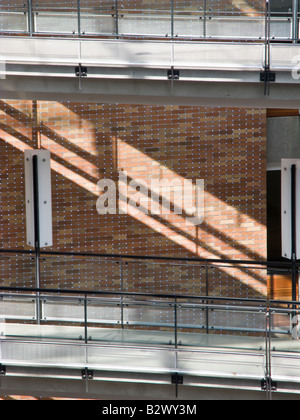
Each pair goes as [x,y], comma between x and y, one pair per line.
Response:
[268,381]
[117,18]
[207,294]
[30,17]
[85,319]
[204,20]
[172,19]
[295,25]
[122,290]
[176,323]
[79,17]
[267,57]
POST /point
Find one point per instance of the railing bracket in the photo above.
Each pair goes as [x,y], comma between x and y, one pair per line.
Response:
[173,74]
[81,71]
[267,76]
[272,384]
[87,374]
[2,370]
[177,379]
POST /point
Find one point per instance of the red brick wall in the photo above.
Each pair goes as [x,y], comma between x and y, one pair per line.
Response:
[89,142]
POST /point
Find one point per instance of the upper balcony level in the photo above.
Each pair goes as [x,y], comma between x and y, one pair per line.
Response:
[181,19]
[200,52]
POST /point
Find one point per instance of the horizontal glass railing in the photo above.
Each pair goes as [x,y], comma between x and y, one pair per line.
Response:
[216,316]
[146,300]
[124,18]
[149,320]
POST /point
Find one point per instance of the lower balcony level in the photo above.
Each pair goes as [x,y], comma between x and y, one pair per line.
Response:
[126,345]
[132,365]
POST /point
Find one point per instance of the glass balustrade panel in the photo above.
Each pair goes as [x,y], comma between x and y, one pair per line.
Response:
[150,18]
[235,19]
[13,16]
[98,18]
[55,17]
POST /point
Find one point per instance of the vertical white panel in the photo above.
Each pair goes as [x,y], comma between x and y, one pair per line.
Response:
[29,198]
[45,197]
[286,207]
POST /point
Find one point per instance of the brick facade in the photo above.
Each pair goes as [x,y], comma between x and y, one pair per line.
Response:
[89,142]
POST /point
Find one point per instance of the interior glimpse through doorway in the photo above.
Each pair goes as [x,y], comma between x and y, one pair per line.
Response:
[280,285]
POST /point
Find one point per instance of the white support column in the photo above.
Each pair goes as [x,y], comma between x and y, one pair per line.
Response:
[44,198]
[286,208]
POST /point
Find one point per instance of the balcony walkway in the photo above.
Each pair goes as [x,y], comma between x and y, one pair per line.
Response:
[128,346]
[149,72]
[120,366]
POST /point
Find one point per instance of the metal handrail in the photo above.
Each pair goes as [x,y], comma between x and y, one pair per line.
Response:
[260,264]
[174,304]
[128,301]
[116,14]
[264,308]
[79,292]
